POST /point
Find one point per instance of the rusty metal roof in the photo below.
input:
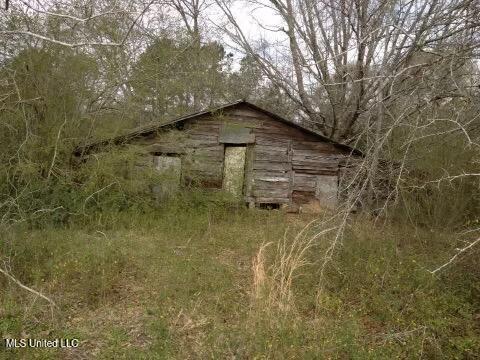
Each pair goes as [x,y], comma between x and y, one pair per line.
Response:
[151,128]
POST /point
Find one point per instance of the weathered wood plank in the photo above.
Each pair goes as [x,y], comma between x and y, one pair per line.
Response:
[251,123]
[249,172]
[318,151]
[269,193]
[245,111]
[271,140]
[282,133]
[304,182]
[272,166]
[272,148]
[271,178]
[202,165]
[272,200]
[269,185]
[299,165]
[274,157]
[290,170]
[303,197]
[318,156]
[236,134]
[267,173]
[316,146]
[317,171]
[248,122]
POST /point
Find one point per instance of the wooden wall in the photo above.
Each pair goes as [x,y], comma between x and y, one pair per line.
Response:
[284,163]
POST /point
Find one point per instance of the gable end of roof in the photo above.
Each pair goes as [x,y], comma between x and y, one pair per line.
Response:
[152,128]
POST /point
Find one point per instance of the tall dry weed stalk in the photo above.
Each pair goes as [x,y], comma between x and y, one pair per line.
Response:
[259,273]
[273,283]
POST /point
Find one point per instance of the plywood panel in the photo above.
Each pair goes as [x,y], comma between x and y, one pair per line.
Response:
[235,134]
[233,173]
[326,191]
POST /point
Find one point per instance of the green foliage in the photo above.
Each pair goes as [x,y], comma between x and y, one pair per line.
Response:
[88,267]
[56,98]
[441,190]
[108,182]
[151,287]
[34,80]
[129,171]
[135,278]
[172,78]
[249,82]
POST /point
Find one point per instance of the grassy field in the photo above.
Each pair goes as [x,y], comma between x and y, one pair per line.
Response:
[179,283]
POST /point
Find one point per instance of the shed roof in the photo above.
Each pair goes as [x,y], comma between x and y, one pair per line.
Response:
[151,128]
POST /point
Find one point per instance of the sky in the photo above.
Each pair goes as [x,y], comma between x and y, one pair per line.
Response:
[253,20]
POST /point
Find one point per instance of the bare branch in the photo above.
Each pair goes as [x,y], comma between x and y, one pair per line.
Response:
[54,41]
[35,292]
[452,259]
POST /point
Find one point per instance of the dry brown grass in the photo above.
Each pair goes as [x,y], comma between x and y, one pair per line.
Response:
[273,279]
[260,278]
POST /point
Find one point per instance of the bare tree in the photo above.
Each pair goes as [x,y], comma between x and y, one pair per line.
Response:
[345,55]
[190,12]
[73,21]
[372,73]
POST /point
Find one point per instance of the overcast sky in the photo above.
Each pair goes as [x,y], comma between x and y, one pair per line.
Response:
[255,22]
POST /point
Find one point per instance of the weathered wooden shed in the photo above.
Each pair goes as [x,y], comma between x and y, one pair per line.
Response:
[253,153]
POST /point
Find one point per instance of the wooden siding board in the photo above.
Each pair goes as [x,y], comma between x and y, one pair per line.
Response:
[267,185]
[273,178]
[290,170]
[272,166]
[302,197]
[271,172]
[313,158]
[272,149]
[272,193]
[210,153]
[273,157]
[271,140]
[258,174]
[262,123]
[272,200]
[304,182]
[282,162]
[249,171]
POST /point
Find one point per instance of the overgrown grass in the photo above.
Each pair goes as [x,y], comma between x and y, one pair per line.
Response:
[177,282]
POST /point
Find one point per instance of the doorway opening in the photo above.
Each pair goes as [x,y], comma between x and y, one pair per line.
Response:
[234,169]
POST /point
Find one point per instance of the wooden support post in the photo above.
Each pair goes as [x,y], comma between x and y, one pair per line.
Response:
[290,171]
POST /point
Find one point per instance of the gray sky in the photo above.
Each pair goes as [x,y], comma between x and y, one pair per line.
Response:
[253,20]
